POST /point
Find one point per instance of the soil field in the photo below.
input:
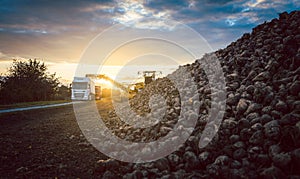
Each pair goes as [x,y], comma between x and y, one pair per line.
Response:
[46,143]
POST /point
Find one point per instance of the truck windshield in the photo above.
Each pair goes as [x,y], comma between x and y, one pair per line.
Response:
[79,85]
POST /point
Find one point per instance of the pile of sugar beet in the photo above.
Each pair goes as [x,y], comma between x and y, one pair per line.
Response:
[260,132]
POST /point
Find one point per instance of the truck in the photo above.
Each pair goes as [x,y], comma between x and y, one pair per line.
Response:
[83,88]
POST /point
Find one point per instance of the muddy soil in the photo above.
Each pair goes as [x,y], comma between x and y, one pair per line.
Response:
[46,143]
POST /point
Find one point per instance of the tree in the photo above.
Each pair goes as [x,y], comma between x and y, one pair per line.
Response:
[63,93]
[28,81]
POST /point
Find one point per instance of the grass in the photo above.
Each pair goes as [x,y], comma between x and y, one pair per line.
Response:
[29,104]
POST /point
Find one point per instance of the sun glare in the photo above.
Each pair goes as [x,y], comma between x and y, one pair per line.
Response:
[104,83]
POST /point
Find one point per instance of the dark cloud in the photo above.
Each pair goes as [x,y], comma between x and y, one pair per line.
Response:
[51,29]
[164,5]
[29,27]
[222,22]
[47,14]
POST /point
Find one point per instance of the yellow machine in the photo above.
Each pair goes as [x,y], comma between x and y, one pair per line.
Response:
[133,89]
[148,76]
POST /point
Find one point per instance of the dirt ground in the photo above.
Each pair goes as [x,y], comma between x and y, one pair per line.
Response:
[46,143]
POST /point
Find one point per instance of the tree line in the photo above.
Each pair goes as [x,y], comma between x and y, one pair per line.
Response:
[28,81]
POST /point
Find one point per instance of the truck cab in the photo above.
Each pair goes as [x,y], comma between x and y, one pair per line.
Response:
[83,88]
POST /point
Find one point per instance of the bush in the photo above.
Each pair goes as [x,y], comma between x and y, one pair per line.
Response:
[28,81]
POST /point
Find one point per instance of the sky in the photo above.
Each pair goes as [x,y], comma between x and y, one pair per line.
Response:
[57,32]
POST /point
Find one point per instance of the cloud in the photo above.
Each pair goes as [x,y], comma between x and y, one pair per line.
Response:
[52,30]
[255,3]
[9,57]
[60,30]
[159,5]
[134,13]
[51,17]
[230,18]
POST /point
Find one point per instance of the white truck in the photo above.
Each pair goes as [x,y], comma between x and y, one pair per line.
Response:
[83,88]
